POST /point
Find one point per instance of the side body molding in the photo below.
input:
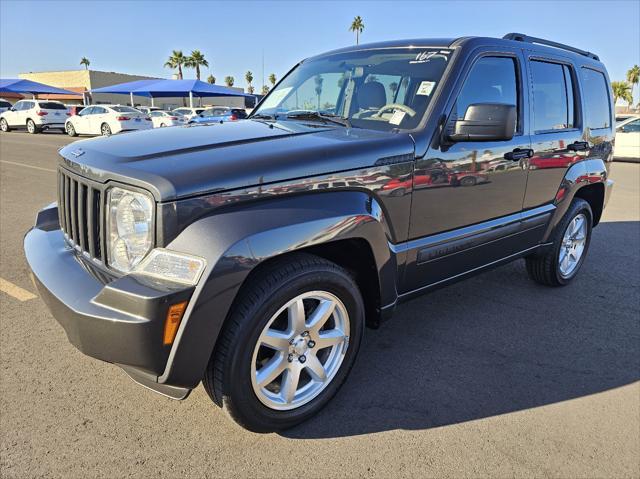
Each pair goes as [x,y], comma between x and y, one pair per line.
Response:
[235,241]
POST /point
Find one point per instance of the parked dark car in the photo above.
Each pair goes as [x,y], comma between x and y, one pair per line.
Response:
[250,255]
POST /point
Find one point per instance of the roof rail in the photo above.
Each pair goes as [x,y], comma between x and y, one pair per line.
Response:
[521,37]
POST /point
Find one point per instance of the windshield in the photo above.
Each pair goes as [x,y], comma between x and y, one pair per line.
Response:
[383,89]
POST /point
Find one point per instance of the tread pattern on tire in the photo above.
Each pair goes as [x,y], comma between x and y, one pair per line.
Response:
[262,286]
[542,268]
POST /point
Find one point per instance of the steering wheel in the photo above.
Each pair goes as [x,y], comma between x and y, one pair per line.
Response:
[395,106]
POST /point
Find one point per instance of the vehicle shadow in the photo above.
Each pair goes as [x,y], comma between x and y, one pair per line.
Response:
[495,344]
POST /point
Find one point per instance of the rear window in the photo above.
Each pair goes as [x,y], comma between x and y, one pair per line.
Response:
[596,95]
[5,104]
[553,101]
[124,109]
[50,105]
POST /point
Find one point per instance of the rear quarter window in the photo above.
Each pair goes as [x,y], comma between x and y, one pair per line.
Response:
[596,99]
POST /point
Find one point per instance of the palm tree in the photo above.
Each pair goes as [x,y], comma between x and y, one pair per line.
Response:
[393,86]
[318,80]
[265,89]
[211,79]
[272,79]
[249,77]
[229,80]
[357,26]
[85,61]
[176,60]
[622,90]
[196,60]
[633,77]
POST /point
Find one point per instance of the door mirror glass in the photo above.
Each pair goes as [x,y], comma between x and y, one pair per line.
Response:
[484,122]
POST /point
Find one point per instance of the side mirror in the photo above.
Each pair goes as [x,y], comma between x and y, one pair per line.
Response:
[483,122]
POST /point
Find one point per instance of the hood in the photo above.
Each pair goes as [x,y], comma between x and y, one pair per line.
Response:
[185,161]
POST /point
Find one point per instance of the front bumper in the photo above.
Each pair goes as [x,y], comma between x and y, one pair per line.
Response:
[118,320]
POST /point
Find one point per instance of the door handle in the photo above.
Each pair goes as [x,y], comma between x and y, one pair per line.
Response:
[519,154]
[578,146]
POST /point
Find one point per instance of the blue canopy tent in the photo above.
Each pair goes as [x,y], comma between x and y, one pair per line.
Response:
[170,88]
[20,85]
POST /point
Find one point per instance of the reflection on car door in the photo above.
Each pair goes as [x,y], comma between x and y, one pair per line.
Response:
[97,118]
[82,123]
[628,140]
[556,138]
[462,190]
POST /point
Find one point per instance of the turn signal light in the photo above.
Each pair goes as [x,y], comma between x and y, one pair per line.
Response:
[174,316]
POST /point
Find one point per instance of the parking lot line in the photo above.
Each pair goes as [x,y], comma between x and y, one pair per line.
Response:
[15,291]
[27,166]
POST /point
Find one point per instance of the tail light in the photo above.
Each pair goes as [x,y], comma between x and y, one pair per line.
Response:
[123,118]
[233,118]
[68,114]
[42,113]
[173,118]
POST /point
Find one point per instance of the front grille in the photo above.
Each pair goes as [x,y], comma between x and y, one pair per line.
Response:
[81,213]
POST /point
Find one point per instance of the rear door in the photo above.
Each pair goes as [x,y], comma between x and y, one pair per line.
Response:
[98,116]
[556,136]
[82,121]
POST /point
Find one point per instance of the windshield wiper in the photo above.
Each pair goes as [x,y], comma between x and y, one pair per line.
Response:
[316,115]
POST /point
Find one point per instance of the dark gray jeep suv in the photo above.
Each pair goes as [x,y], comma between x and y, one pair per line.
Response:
[250,255]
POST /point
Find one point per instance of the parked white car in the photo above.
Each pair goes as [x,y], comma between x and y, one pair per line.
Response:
[34,115]
[167,118]
[188,112]
[107,120]
[4,105]
[627,145]
[148,109]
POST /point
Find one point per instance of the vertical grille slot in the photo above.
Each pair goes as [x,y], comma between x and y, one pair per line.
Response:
[81,213]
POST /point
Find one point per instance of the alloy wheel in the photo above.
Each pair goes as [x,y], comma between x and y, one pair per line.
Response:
[573,244]
[300,350]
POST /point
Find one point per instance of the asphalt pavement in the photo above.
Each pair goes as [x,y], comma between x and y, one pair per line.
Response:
[495,376]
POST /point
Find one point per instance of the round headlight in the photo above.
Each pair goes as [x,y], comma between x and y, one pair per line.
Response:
[130,226]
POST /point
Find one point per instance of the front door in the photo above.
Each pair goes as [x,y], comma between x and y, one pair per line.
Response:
[468,195]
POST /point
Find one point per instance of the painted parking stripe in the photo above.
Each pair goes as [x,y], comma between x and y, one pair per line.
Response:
[15,291]
[27,166]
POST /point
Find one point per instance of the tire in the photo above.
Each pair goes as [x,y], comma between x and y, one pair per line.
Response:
[105,129]
[231,377]
[162,125]
[71,131]
[31,127]
[468,181]
[4,126]
[547,269]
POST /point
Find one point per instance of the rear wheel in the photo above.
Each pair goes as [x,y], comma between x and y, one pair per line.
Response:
[71,131]
[105,129]
[468,181]
[31,127]
[4,126]
[162,125]
[288,345]
[561,263]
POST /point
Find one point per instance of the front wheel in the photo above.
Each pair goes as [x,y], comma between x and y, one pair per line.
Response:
[561,263]
[105,129]
[4,126]
[289,344]
[31,127]
[71,131]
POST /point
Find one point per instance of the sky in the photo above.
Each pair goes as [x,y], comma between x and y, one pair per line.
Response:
[137,37]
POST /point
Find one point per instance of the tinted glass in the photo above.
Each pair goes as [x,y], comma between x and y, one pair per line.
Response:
[200,110]
[156,113]
[552,96]
[491,80]
[50,105]
[98,110]
[18,106]
[124,109]
[87,111]
[26,105]
[5,104]
[596,99]
[631,127]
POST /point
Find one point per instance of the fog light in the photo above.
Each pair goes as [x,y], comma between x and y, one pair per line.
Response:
[172,266]
[174,316]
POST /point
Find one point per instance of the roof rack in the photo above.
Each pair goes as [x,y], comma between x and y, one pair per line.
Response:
[521,37]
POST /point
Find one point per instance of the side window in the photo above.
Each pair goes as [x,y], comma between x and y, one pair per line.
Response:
[98,110]
[491,80]
[596,99]
[631,127]
[553,99]
[86,111]
[156,113]
[18,106]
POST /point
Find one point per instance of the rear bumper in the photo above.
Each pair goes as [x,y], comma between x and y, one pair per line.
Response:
[118,320]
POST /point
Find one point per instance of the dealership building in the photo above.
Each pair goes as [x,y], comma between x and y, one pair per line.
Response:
[82,81]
